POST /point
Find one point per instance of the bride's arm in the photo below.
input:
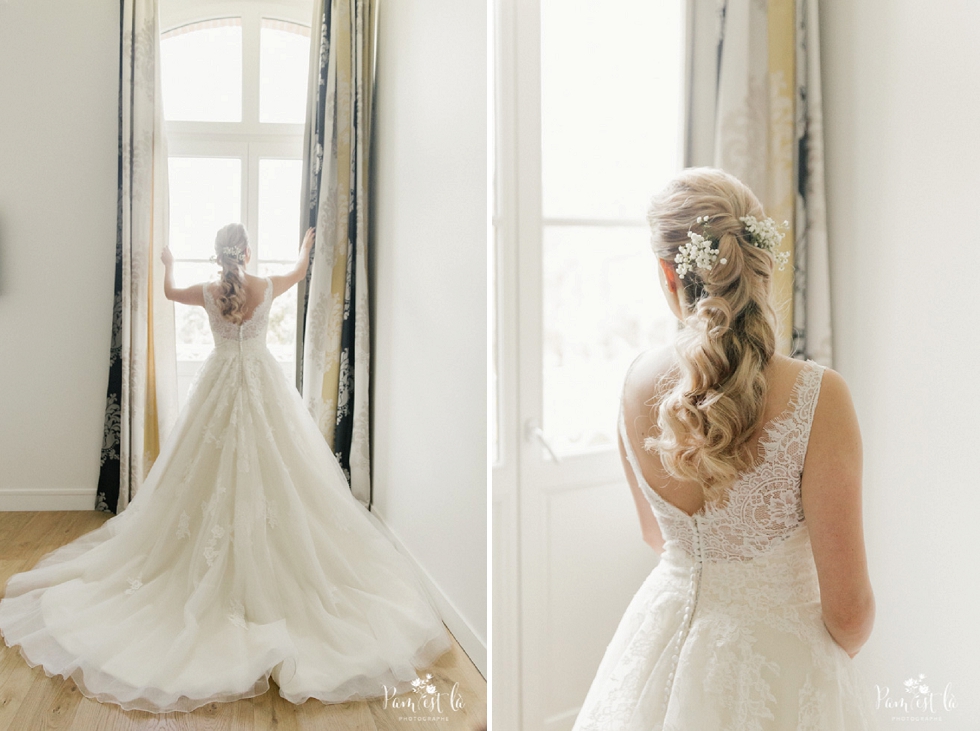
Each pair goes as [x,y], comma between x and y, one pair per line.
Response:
[642,378]
[193,295]
[649,526]
[282,282]
[831,493]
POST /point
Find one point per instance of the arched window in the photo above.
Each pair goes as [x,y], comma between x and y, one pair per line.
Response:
[234,78]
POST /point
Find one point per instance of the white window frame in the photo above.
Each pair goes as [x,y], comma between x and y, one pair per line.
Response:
[525,480]
[505,514]
[247,140]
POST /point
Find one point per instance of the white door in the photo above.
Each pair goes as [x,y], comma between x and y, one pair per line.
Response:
[587,127]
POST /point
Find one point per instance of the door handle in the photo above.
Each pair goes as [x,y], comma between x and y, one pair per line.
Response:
[533,431]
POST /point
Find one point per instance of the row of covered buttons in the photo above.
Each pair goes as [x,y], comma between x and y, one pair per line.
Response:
[688,607]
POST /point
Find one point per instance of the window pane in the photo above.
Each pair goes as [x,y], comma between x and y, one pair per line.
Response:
[201,71]
[283,71]
[611,77]
[205,194]
[280,187]
[282,323]
[602,307]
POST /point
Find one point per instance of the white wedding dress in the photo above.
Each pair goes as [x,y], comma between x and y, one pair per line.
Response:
[726,632]
[244,555]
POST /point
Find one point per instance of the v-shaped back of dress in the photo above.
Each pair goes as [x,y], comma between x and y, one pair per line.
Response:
[764,505]
[255,327]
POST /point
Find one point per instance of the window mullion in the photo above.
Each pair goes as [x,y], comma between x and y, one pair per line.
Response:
[252,204]
[251,20]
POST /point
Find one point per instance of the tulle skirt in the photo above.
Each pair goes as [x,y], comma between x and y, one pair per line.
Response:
[243,556]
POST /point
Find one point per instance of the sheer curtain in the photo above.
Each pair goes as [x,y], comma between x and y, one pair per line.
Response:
[141,398]
[333,329]
[754,109]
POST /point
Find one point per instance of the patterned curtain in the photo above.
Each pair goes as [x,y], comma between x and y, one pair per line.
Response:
[333,330]
[754,105]
[141,399]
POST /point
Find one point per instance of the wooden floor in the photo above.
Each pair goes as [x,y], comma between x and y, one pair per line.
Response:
[30,700]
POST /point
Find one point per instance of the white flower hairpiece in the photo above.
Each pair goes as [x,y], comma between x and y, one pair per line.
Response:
[702,252]
[699,253]
[766,235]
[233,252]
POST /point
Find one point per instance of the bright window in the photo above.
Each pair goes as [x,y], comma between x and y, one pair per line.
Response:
[282,92]
[610,137]
[201,71]
[234,91]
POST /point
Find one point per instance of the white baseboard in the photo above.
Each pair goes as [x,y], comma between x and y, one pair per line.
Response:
[68,498]
[469,640]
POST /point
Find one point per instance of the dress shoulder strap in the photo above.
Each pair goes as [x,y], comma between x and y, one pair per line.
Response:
[628,445]
[808,393]
[624,434]
[208,295]
[789,437]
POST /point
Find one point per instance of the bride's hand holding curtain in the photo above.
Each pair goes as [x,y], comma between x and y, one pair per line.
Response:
[308,241]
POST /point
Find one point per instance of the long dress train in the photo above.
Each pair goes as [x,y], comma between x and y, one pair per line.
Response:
[243,556]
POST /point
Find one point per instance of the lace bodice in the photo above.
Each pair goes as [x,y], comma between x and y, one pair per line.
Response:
[254,327]
[764,506]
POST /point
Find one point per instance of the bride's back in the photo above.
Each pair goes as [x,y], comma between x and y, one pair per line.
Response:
[254,289]
[645,387]
[806,485]
[254,325]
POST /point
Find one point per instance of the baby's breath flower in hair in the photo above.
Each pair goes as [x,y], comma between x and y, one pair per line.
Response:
[699,253]
[702,252]
[766,235]
[233,252]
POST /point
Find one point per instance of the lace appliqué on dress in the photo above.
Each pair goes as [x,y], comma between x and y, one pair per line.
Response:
[211,551]
[183,525]
[237,614]
[270,511]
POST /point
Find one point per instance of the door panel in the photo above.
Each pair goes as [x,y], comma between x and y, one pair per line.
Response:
[588,126]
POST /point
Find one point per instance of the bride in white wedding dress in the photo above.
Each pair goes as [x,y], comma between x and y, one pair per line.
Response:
[243,556]
[745,466]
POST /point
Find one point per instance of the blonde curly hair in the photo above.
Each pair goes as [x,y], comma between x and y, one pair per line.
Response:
[714,399]
[230,246]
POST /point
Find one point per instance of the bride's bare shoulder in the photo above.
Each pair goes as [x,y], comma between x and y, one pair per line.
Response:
[784,372]
[648,378]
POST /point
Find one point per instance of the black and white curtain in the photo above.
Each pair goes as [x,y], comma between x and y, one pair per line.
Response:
[141,398]
[333,329]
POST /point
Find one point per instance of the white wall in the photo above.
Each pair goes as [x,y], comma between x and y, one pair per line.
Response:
[429,249]
[59,77]
[902,118]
